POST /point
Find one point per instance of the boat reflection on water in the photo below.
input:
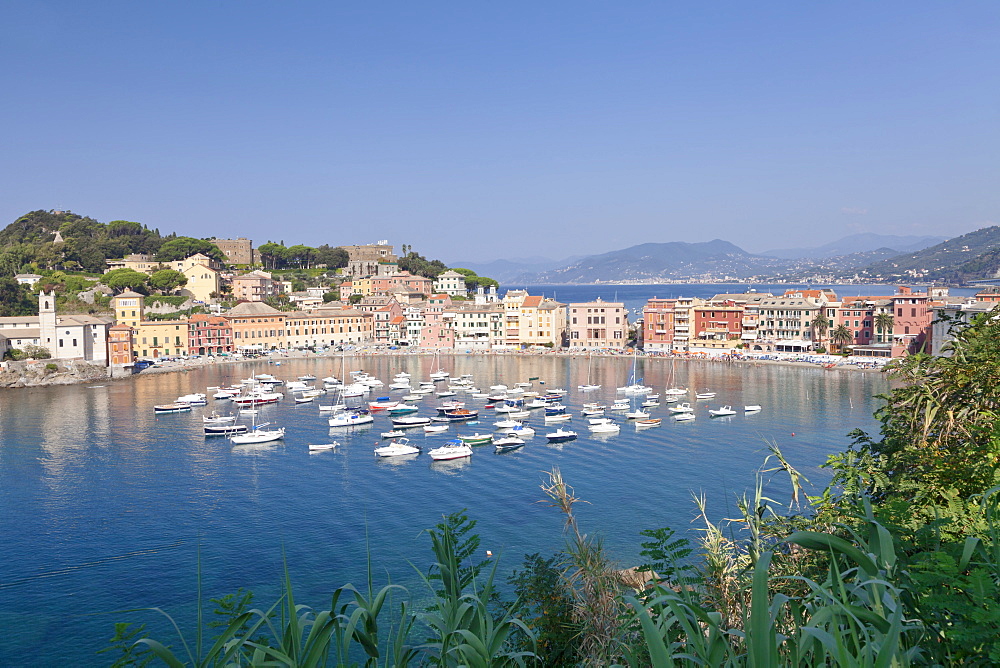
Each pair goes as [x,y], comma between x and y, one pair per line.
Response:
[395,461]
[450,466]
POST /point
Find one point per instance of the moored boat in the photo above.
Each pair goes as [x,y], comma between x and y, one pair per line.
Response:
[561,436]
[453,449]
[397,448]
[176,407]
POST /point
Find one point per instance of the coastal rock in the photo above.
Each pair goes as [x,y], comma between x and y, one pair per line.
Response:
[38,373]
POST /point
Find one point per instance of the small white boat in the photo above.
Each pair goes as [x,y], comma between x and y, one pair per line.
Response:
[249,411]
[751,409]
[222,395]
[683,417]
[675,391]
[320,447]
[413,397]
[521,430]
[650,403]
[563,417]
[397,449]
[637,415]
[588,388]
[605,428]
[645,424]
[435,428]
[407,422]
[680,408]
[215,418]
[195,399]
[395,433]
[303,400]
[561,436]
[720,412]
[506,424]
[307,377]
[453,449]
[350,419]
[332,408]
[705,395]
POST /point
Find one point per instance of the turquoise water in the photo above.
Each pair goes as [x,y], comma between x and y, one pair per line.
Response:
[105,506]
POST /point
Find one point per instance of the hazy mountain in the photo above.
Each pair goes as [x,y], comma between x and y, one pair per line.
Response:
[968,257]
[505,270]
[663,262]
[858,243]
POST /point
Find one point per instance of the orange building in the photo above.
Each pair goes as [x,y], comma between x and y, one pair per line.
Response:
[120,352]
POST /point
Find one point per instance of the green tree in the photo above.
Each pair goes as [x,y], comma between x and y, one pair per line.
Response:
[179,248]
[272,255]
[300,255]
[15,299]
[121,280]
[37,352]
[883,323]
[841,336]
[333,258]
[167,280]
[820,324]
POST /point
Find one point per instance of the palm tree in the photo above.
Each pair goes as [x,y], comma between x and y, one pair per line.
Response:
[819,325]
[841,336]
[884,323]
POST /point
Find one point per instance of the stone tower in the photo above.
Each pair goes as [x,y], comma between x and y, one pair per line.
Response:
[47,321]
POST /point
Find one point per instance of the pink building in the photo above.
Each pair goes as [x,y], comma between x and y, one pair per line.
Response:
[598,324]
[255,286]
[658,324]
[437,333]
[912,316]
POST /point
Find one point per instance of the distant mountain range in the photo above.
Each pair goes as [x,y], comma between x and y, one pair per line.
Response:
[867,257]
[859,243]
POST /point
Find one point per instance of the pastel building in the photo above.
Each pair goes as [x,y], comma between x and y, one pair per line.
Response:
[256,327]
[658,325]
[450,283]
[65,337]
[209,335]
[255,286]
[598,324]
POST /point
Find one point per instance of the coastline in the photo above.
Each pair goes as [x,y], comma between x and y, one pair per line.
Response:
[16,375]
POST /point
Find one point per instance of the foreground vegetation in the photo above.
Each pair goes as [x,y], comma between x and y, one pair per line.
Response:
[895,563]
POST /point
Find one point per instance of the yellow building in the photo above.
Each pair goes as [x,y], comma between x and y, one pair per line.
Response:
[328,327]
[161,338]
[257,327]
[202,282]
[541,321]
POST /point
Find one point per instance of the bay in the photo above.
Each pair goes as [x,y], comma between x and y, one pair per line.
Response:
[105,506]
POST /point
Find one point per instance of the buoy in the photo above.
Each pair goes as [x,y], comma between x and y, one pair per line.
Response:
[793,433]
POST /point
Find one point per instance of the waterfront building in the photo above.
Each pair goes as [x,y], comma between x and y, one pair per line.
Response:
[256,327]
[450,283]
[326,327]
[683,310]
[912,317]
[209,335]
[786,320]
[386,322]
[161,338]
[437,332]
[255,286]
[121,354]
[658,325]
[65,337]
[541,322]
[717,326]
[512,301]
[237,251]
[598,324]
[478,327]
[413,324]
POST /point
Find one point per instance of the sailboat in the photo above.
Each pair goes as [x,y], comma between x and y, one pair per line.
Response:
[588,386]
[257,434]
[338,403]
[634,386]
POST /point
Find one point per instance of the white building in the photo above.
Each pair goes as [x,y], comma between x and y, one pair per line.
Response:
[65,337]
[450,283]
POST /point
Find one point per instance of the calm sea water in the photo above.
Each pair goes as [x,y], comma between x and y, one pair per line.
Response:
[105,506]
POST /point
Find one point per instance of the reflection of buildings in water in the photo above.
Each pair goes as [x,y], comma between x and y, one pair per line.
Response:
[69,421]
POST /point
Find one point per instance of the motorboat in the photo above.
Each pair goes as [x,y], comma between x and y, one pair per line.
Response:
[650,403]
[507,443]
[721,412]
[637,415]
[675,391]
[561,436]
[412,421]
[307,377]
[460,414]
[506,424]
[680,408]
[521,430]
[683,417]
[397,448]
[476,439]
[332,408]
[446,393]
[304,400]
[402,410]
[435,428]
[605,428]
[649,422]
[400,385]
[320,447]
[751,409]
[350,419]
[705,395]
[225,429]
[176,407]
[561,417]
[395,433]
[453,449]
[382,403]
[599,420]
[195,399]
[215,418]
[450,405]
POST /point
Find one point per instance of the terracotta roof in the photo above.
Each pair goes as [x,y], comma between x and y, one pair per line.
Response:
[532,302]
[253,308]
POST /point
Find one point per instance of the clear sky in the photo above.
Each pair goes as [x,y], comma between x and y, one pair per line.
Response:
[476,131]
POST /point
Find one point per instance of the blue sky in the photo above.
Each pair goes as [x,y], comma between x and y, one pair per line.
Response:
[502,130]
